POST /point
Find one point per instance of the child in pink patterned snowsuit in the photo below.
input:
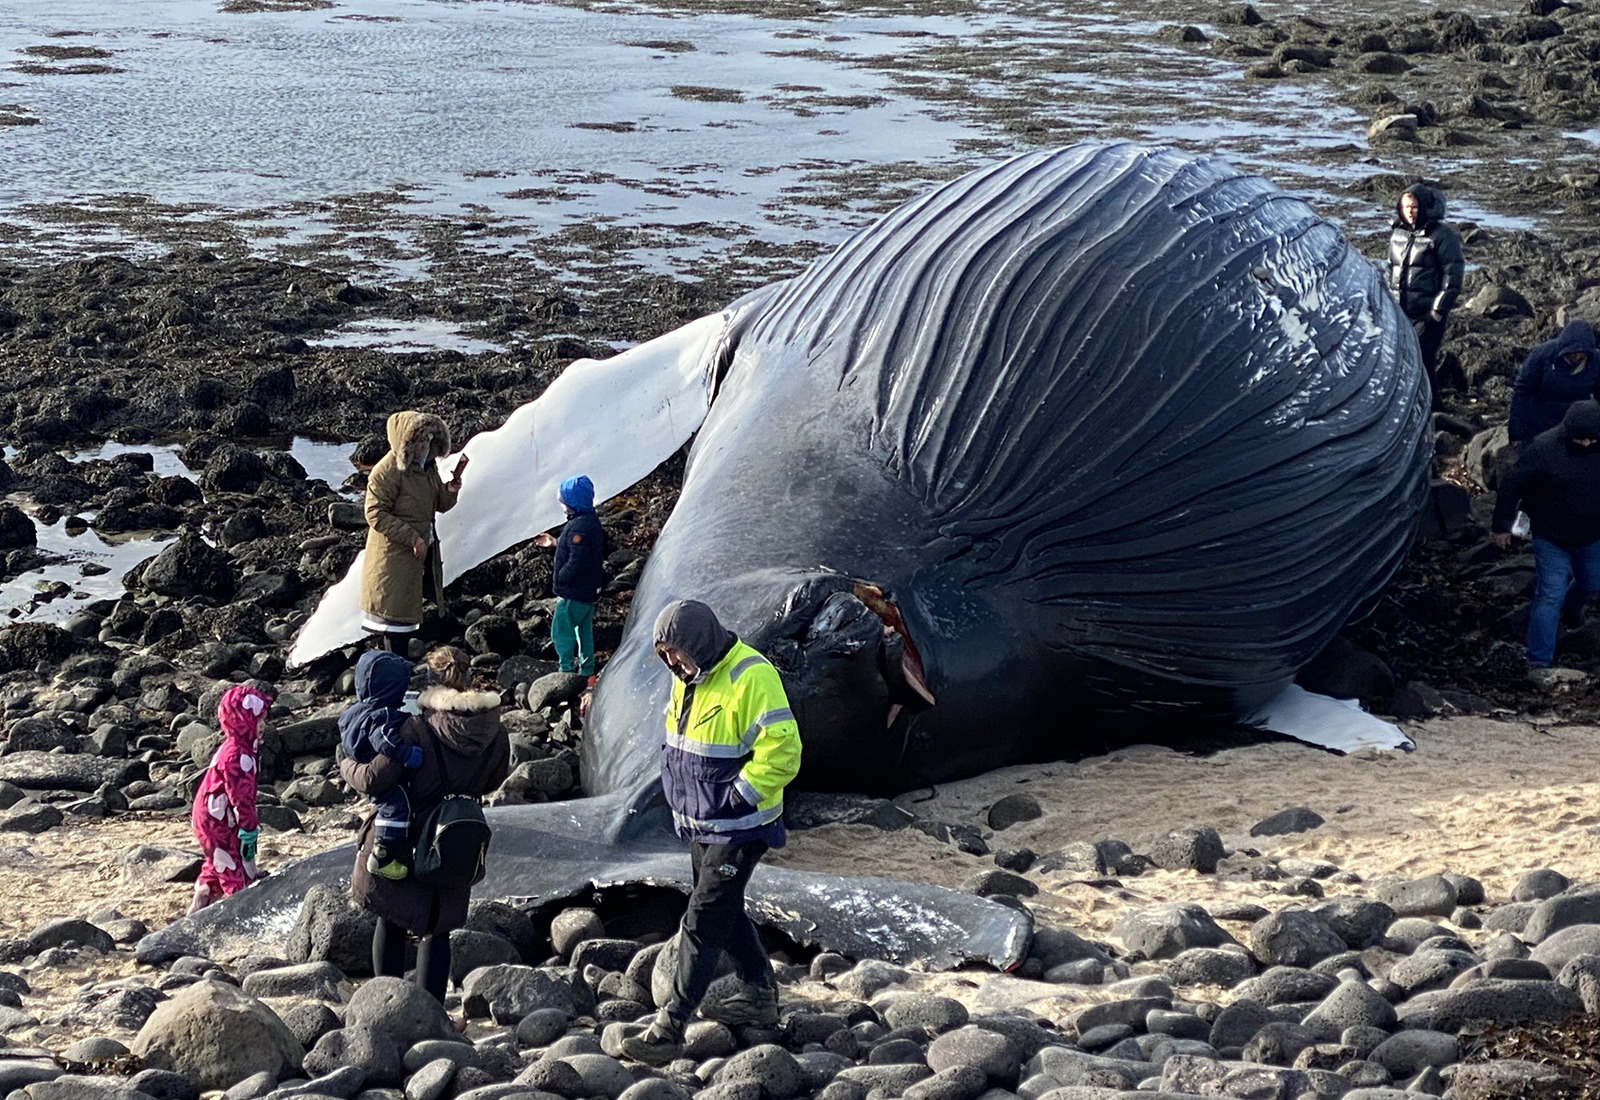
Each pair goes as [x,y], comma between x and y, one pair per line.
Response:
[224,816]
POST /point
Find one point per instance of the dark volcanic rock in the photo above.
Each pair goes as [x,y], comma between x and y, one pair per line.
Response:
[16,529]
[189,567]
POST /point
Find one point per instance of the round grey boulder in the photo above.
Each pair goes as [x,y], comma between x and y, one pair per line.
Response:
[216,1035]
[541,1027]
[1567,944]
[1422,897]
[1540,884]
[1014,809]
[602,1074]
[372,1051]
[1166,931]
[1220,966]
[572,926]
[1298,819]
[1353,1004]
[768,1066]
[1287,984]
[1293,937]
[1410,1052]
[401,1010]
[924,1010]
[1238,1023]
[995,1054]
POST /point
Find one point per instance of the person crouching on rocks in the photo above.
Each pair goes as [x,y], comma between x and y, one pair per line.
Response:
[465,751]
[370,727]
[224,814]
[1425,270]
[1556,481]
[1555,375]
[405,491]
[732,746]
[579,573]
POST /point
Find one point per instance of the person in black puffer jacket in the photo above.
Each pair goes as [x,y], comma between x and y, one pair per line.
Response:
[579,574]
[1557,482]
[1425,269]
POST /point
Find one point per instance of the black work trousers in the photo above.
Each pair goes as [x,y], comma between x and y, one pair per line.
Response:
[433,957]
[1430,334]
[716,922]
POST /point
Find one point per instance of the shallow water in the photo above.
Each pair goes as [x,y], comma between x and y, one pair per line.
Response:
[384,334]
[325,459]
[52,593]
[524,119]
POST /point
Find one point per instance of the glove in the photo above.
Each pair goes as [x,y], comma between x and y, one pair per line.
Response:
[247,844]
[412,758]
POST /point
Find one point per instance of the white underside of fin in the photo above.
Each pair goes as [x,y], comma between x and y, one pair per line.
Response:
[1329,723]
[614,419]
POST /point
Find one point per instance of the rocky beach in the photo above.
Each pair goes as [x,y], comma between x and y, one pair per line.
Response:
[197,361]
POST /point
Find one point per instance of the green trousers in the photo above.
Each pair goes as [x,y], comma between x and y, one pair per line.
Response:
[572,630]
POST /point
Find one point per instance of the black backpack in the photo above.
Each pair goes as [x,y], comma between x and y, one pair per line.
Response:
[452,843]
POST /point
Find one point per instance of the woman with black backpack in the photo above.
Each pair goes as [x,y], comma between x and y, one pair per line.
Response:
[465,755]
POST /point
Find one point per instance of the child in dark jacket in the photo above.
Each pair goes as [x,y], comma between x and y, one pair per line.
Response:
[579,573]
[370,727]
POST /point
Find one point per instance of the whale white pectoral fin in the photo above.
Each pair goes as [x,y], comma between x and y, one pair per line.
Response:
[614,420]
[1337,724]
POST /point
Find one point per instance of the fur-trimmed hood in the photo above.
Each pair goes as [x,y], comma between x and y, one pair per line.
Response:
[465,723]
[417,438]
[439,697]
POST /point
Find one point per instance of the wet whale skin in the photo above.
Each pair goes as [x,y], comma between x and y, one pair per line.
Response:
[1125,436]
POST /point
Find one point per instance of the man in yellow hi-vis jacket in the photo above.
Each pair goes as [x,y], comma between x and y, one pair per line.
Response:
[731,747]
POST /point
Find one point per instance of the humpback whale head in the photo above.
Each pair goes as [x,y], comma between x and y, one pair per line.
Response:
[1103,433]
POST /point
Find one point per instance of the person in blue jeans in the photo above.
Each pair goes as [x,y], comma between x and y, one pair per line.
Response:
[579,573]
[1557,482]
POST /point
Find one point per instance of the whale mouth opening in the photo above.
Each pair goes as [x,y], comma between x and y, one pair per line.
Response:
[842,644]
[901,656]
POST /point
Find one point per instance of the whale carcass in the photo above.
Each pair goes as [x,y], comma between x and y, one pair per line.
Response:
[1099,436]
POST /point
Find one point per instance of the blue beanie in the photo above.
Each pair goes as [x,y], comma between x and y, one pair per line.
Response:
[577,493]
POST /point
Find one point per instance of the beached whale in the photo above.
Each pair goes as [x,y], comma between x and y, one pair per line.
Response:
[1103,436]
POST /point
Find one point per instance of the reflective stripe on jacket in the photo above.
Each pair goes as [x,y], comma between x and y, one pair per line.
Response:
[732,746]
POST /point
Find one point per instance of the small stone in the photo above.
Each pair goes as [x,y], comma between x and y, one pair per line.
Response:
[1293,937]
[541,1027]
[935,1014]
[572,926]
[1014,809]
[1431,896]
[1077,972]
[1238,1023]
[1098,1038]
[1014,859]
[770,1067]
[1298,819]
[1539,885]
[988,884]
[996,1055]
[508,993]
[1193,848]
[1352,1004]
[1165,931]
[1410,1052]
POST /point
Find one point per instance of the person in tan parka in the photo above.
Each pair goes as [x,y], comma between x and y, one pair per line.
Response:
[404,492]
